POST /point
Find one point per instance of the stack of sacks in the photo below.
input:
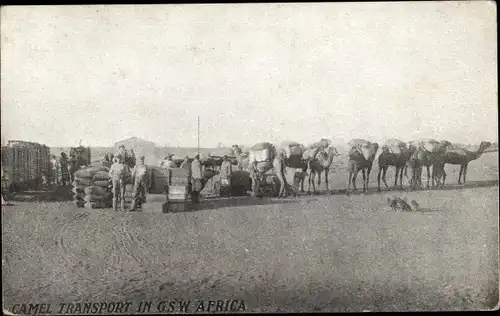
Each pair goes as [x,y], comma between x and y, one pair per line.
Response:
[84,178]
[99,195]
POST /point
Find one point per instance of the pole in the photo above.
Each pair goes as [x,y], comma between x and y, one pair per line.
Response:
[198,135]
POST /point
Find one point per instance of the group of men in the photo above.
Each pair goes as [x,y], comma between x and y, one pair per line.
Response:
[121,175]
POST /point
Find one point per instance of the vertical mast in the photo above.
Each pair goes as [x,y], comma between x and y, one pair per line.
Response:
[198,135]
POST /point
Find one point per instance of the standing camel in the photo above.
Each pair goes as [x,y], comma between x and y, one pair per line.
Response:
[396,155]
[460,157]
[320,164]
[426,153]
[241,157]
[359,160]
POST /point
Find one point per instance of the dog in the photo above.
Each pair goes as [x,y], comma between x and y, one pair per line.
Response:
[403,204]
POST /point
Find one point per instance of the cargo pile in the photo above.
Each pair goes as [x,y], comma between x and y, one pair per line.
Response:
[92,188]
[129,197]
[178,190]
[263,154]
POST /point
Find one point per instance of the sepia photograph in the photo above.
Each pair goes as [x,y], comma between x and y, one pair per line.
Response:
[249,158]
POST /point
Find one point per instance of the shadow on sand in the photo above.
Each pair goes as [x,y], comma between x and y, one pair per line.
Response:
[216,203]
[53,194]
[373,190]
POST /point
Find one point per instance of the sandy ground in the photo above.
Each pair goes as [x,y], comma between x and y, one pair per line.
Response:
[312,253]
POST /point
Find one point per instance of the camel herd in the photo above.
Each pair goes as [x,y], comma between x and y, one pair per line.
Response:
[407,158]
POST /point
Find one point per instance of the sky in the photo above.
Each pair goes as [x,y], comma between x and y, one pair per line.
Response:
[251,72]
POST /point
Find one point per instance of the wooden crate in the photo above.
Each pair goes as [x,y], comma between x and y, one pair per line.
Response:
[178,189]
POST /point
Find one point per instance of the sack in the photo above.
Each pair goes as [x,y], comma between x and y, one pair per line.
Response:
[101,175]
[82,182]
[261,146]
[95,198]
[310,153]
[99,204]
[292,149]
[79,203]
[358,143]
[395,146]
[102,183]
[95,190]
[78,189]
[322,144]
[79,196]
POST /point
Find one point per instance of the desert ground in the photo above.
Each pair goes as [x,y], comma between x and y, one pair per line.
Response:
[309,253]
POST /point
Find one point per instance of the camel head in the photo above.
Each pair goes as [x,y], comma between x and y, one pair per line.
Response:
[483,146]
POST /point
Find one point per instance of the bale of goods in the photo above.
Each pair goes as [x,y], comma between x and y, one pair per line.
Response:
[240,178]
[78,189]
[395,146]
[101,176]
[362,146]
[96,198]
[292,149]
[322,144]
[427,144]
[260,155]
[89,173]
[310,153]
[101,183]
[82,182]
[95,190]
[261,146]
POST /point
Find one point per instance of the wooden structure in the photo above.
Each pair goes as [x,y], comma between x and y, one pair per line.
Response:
[25,164]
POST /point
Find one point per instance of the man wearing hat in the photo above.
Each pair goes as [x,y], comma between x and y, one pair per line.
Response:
[140,181]
[196,176]
[225,172]
[168,163]
[118,173]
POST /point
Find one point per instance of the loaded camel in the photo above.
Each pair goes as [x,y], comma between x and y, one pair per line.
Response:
[425,153]
[361,156]
[460,157]
[394,153]
[319,164]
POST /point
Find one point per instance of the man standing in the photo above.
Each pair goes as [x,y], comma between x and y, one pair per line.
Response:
[225,172]
[140,181]
[56,171]
[117,172]
[64,169]
[196,176]
[256,178]
[279,167]
[72,167]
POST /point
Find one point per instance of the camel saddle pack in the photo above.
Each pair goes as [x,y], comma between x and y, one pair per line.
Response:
[361,146]
[394,146]
[263,154]
[427,144]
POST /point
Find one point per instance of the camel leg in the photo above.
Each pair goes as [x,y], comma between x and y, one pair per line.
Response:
[364,180]
[378,178]
[354,179]
[428,175]
[349,183]
[309,183]
[384,173]
[396,177]
[465,173]
[444,177]
[327,170]
[368,171]
[460,174]
[401,177]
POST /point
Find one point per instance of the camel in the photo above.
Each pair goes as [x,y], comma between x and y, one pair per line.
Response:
[318,165]
[241,157]
[460,157]
[421,157]
[397,159]
[357,162]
